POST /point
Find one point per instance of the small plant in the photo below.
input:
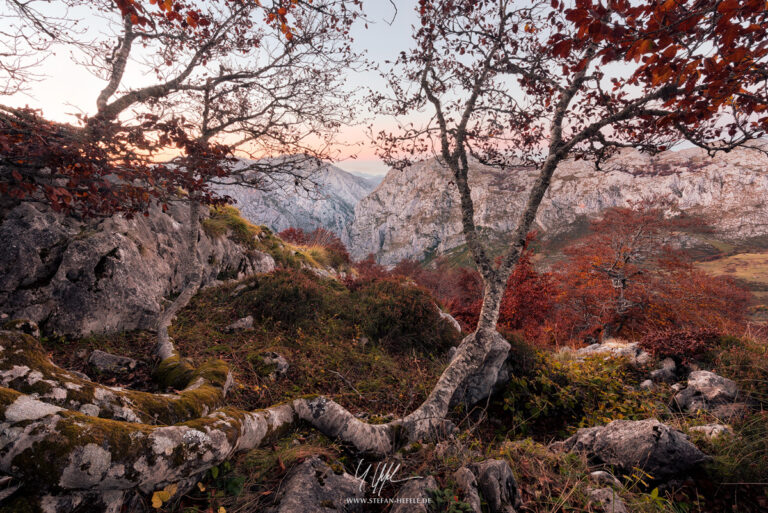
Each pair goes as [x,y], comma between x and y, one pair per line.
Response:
[445,501]
[289,296]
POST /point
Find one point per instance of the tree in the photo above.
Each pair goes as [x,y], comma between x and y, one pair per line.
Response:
[246,82]
[500,79]
[528,85]
[630,275]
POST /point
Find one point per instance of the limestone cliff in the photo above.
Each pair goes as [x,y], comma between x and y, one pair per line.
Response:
[76,277]
[414,213]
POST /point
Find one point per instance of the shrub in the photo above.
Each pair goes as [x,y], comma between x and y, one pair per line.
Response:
[400,316]
[682,344]
[365,272]
[554,397]
[290,297]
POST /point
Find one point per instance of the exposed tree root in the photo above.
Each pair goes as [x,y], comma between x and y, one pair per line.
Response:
[51,436]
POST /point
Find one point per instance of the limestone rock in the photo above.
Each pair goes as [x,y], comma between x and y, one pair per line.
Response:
[450,319]
[604,478]
[246,323]
[497,485]
[329,202]
[706,391]
[413,496]
[712,430]
[102,361]
[616,348]
[666,373]
[77,277]
[415,212]
[313,487]
[648,444]
[277,364]
[468,486]
[609,501]
[24,326]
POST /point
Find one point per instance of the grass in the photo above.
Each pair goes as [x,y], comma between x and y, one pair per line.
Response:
[319,327]
[749,268]
[227,221]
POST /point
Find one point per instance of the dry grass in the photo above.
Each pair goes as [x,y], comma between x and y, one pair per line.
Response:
[750,268]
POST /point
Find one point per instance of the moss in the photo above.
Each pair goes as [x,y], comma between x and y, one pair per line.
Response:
[174,372]
[261,368]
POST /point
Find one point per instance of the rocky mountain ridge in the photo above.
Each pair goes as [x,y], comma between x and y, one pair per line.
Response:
[328,200]
[414,213]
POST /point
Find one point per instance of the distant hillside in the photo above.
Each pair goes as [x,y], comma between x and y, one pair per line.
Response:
[329,202]
[414,213]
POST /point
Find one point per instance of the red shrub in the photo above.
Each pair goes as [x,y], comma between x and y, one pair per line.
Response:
[367,271]
[682,344]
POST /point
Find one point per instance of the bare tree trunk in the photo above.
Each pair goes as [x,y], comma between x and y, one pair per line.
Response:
[192,276]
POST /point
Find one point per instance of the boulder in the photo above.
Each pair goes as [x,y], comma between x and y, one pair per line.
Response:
[705,392]
[246,323]
[497,485]
[450,320]
[77,277]
[647,385]
[313,487]
[413,496]
[102,362]
[648,444]
[23,325]
[608,500]
[666,373]
[604,478]
[273,365]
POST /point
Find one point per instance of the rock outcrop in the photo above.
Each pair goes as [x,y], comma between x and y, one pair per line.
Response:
[497,485]
[313,487]
[648,444]
[77,277]
[413,496]
[414,213]
[707,391]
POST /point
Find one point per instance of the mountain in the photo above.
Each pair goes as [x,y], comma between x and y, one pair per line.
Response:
[414,213]
[329,202]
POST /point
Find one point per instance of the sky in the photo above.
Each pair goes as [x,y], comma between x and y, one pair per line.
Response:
[66,89]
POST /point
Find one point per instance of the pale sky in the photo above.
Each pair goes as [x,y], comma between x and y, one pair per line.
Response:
[67,89]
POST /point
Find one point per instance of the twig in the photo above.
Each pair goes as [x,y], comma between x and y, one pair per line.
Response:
[345,380]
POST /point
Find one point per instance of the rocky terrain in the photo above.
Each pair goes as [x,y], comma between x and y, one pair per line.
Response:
[414,213]
[79,277]
[328,202]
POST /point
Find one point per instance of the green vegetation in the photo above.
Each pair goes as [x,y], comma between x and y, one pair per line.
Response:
[557,396]
[227,221]
[369,352]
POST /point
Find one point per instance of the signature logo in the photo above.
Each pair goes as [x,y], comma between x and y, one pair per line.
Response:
[383,473]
